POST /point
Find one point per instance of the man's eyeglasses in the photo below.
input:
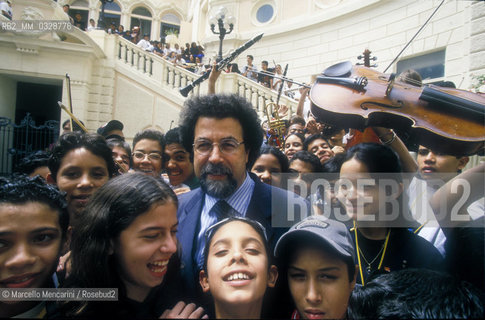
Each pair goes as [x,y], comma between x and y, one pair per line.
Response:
[226,146]
[153,156]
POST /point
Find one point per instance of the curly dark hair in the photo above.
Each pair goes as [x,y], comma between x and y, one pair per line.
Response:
[20,189]
[173,135]
[334,164]
[416,294]
[222,106]
[75,140]
[314,137]
[150,134]
[29,163]
[307,157]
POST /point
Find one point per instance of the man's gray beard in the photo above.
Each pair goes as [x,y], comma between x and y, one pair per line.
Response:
[219,189]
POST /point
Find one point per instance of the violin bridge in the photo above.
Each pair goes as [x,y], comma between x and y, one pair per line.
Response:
[390,84]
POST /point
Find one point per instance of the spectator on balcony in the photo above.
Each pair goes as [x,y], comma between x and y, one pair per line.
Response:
[6,7]
[233,68]
[111,28]
[201,52]
[178,61]
[171,56]
[158,49]
[92,25]
[186,52]
[127,35]
[78,22]
[200,68]
[177,49]
[135,34]
[167,50]
[194,50]
[264,78]
[288,91]
[190,63]
[120,30]
[145,43]
[65,7]
[248,69]
[278,73]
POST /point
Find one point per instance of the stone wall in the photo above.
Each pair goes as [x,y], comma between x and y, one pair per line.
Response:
[311,35]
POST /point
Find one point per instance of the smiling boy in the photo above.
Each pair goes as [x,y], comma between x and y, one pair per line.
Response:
[33,224]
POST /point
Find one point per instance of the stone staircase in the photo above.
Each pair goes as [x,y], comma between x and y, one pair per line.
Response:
[159,73]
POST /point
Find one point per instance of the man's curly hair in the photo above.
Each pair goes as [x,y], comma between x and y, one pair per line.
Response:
[222,106]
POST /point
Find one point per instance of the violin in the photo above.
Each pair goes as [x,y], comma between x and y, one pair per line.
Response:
[368,135]
[447,120]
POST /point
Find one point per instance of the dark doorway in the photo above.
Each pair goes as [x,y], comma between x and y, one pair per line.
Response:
[37,117]
[40,100]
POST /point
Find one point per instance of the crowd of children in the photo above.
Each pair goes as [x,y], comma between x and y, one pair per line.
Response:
[181,223]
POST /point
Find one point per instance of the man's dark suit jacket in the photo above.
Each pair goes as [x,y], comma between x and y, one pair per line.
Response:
[260,209]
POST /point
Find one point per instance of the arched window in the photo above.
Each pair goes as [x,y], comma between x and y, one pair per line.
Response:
[140,16]
[170,25]
[112,13]
[81,8]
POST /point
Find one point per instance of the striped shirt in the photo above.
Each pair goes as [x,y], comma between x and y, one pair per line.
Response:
[239,201]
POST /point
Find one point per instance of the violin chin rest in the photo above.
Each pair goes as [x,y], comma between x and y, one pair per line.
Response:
[342,69]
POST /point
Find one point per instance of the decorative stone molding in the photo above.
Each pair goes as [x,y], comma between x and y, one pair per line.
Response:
[31,13]
[323,4]
[28,49]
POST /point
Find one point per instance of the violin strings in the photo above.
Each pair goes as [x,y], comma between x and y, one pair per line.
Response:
[408,80]
[411,81]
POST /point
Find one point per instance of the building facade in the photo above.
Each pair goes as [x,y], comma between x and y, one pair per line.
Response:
[112,79]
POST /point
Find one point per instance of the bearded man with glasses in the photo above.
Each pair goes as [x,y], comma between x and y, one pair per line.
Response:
[224,135]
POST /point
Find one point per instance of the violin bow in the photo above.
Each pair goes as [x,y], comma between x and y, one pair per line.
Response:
[281,86]
[415,35]
[72,117]
[69,98]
